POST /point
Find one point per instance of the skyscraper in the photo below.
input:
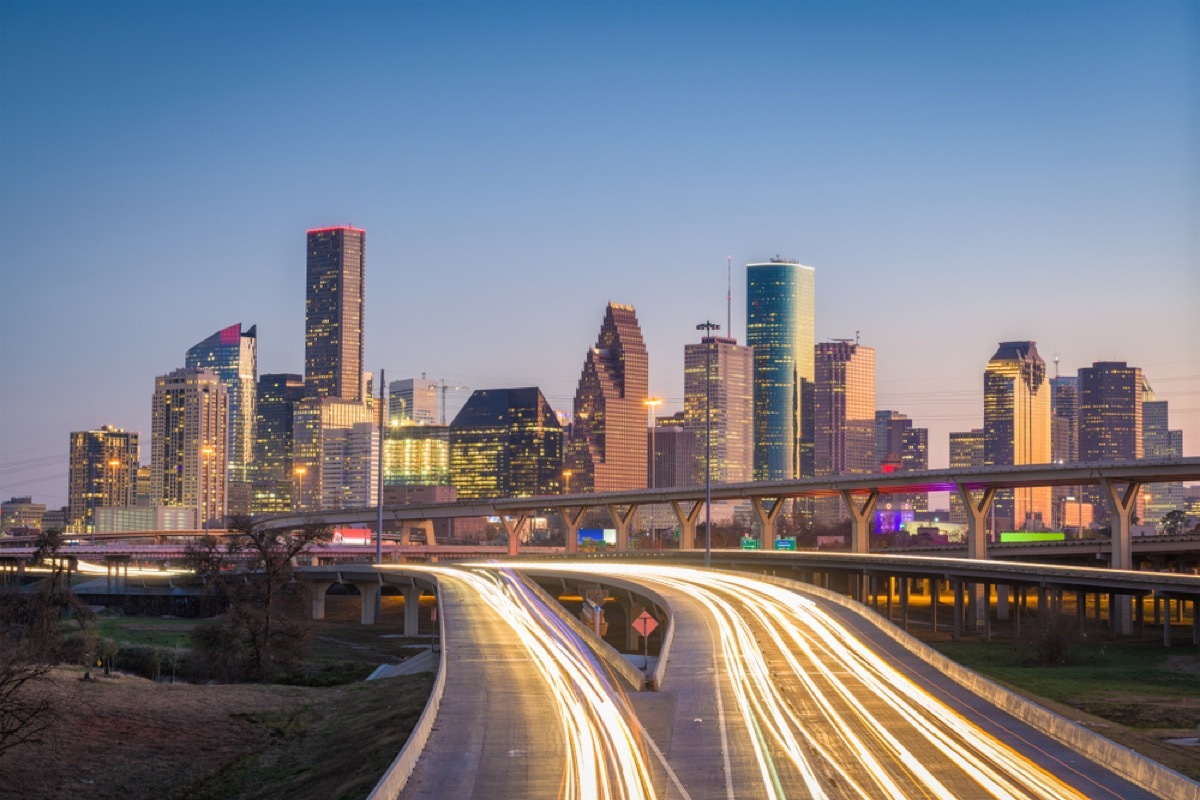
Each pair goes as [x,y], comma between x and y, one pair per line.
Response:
[1064,438]
[900,447]
[189,442]
[844,409]
[413,399]
[416,455]
[1016,430]
[275,404]
[320,448]
[780,323]
[607,448]
[966,452]
[1110,421]
[718,376]
[1160,442]
[233,355]
[103,467]
[507,443]
[333,313]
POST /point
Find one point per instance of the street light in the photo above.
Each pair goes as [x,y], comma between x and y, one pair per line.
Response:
[651,404]
[708,327]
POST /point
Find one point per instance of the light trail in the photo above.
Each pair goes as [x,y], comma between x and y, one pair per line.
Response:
[604,755]
[828,717]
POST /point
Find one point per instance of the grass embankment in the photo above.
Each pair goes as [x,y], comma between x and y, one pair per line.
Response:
[1138,694]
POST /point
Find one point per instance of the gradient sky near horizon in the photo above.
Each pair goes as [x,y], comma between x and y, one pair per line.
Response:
[959,174]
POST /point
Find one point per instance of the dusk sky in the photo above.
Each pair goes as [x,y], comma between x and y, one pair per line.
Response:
[958,174]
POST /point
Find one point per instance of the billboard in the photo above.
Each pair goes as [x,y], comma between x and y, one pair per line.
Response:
[1031,536]
[596,537]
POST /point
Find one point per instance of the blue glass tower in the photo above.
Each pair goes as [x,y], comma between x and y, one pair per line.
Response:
[233,354]
[780,314]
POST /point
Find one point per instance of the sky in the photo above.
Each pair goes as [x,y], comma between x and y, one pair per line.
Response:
[958,174]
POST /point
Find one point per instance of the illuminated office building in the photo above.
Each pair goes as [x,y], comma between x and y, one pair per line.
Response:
[1064,439]
[718,379]
[1110,412]
[333,314]
[275,404]
[507,443]
[416,455]
[103,468]
[899,447]
[188,443]
[413,400]
[843,417]
[966,452]
[1160,442]
[233,355]
[780,325]
[320,450]
[675,452]
[21,513]
[607,447]
[1016,430]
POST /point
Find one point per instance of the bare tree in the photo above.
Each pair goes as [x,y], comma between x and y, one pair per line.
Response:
[264,629]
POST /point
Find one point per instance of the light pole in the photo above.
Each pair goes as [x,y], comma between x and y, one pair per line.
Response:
[207,453]
[567,481]
[651,404]
[299,471]
[708,327]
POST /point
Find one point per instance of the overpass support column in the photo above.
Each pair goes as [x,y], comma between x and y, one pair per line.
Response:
[426,525]
[623,521]
[319,588]
[977,511]
[514,532]
[767,518]
[687,523]
[412,610]
[572,518]
[1120,507]
[369,594]
[861,513]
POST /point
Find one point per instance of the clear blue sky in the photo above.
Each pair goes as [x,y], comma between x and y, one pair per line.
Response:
[957,173]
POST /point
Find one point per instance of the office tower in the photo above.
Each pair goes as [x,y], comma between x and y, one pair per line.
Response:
[349,464]
[1160,442]
[316,426]
[333,314]
[275,404]
[966,452]
[233,355]
[103,466]
[507,443]
[607,448]
[21,513]
[1016,430]
[899,447]
[1110,421]
[416,455]
[780,315]
[189,442]
[843,417]
[675,450]
[414,400]
[1064,438]
[718,375]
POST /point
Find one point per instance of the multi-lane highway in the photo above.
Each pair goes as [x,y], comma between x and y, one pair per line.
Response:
[768,693]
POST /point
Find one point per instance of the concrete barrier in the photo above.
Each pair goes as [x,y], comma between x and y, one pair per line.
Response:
[397,775]
[1137,769]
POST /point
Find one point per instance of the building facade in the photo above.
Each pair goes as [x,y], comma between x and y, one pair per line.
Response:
[1064,439]
[607,447]
[966,452]
[189,442]
[1110,421]
[316,427]
[103,468]
[900,447]
[276,397]
[675,452]
[780,327]
[718,397]
[21,513]
[416,455]
[1016,430]
[1160,442]
[506,443]
[233,355]
[413,400]
[333,313]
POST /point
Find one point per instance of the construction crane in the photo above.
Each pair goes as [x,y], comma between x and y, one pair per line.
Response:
[448,388]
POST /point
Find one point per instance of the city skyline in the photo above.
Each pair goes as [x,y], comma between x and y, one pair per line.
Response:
[947,202]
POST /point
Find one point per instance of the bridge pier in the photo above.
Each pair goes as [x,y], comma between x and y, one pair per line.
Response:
[861,537]
[1002,597]
[622,521]
[369,593]
[977,511]
[573,518]
[1121,504]
[687,523]
[412,610]
[514,532]
[766,518]
[319,588]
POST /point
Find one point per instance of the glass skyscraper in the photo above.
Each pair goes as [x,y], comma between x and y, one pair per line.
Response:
[233,355]
[718,380]
[506,443]
[188,442]
[275,406]
[333,313]
[780,326]
[1016,430]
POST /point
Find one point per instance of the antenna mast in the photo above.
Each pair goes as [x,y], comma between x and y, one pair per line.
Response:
[729,295]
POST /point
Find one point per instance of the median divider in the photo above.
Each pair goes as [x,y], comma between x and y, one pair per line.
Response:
[401,769]
[1136,768]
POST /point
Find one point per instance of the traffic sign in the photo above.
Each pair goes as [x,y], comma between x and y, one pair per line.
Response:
[645,623]
[749,543]
[785,543]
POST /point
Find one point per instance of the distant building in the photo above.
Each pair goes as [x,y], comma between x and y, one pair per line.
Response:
[506,443]
[321,450]
[416,455]
[188,442]
[275,407]
[900,447]
[413,400]
[607,450]
[780,327]
[843,417]
[21,512]
[1110,421]
[233,355]
[350,458]
[103,467]
[675,450]
[718,380]
[966,452]
[1016,430]
[333,313]
[1064,438]
[146,518]
[1160,442]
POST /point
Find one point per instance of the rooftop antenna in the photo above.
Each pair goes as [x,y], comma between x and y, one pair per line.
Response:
[1056,365]
[729,295]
